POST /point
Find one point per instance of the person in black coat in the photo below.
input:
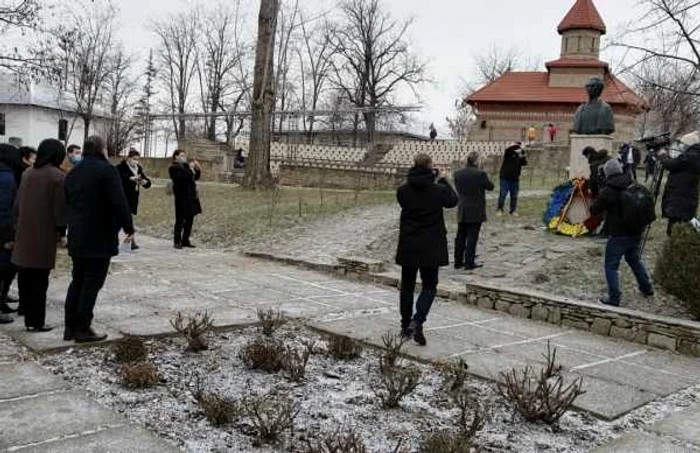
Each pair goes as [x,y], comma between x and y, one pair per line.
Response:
[133,179]
[680,200]
[184,176]
[422,241]
[27,156]
[630,158]
[97,211]
[9,158]
[513,162]
[471,184]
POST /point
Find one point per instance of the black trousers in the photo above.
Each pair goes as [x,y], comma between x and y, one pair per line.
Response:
[89,275]
[183,229]
[429,282]
[465,243]
[33,284]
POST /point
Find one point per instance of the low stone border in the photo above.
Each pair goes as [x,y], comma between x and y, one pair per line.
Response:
[678,335]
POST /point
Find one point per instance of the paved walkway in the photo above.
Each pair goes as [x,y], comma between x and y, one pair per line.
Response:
[146,289]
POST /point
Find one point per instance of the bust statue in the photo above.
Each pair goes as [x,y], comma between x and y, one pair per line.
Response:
[595,117]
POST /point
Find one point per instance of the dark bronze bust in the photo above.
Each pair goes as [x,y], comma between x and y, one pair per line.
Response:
[595,117]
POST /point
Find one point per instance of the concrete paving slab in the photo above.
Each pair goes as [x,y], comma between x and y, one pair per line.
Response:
[27,378]
[145,326]
[647,379]
[490,364]
[459,312]
[124,439]
[594,344]
[685,367]
[349,302]
[61,414]
[683,425]
[531,329]
[439,348]
[537,352]
[608,400]
[480,337]
[255,296]
[642,443]
[349,286]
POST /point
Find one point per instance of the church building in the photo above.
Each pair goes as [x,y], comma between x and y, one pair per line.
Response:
[517,101]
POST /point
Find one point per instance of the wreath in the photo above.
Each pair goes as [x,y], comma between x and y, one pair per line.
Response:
[558,206]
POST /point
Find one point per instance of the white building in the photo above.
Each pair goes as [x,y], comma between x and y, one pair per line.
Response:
[32,112]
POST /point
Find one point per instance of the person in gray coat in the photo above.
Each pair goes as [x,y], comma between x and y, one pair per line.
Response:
[471,184]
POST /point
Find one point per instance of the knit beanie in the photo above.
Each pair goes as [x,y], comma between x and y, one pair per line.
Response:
[612,167]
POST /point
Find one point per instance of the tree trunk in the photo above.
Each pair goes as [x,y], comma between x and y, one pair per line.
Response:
[370,124]
[258,167]
[86,124]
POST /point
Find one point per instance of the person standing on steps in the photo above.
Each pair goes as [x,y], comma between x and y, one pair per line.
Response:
[97,212]
[133,179]
[422,241]
[9,158]
[471,184]
[513,162]
[184,176]
[40,211]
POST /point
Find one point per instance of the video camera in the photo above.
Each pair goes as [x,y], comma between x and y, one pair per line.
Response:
[656,142]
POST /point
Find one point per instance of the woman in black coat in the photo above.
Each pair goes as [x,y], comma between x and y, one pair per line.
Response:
[680,200]
[422,241]
[184,175]
[133,179]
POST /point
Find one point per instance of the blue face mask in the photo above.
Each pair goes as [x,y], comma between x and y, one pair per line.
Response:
[75,159]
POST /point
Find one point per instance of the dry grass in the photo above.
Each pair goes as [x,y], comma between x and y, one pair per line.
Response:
[139,375]
[344,348]
[264,354]
[130,349]
[194,329]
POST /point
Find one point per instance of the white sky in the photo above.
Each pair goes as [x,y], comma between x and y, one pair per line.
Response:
[447,33]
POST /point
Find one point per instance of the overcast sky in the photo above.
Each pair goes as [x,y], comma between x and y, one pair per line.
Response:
[447,33]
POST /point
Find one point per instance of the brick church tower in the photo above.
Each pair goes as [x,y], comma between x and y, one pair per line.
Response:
[516,101]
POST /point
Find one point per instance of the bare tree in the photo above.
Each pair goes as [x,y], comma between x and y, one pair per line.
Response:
[495,62]
[145,103]
[316,63]
[374,58]
[221,56]
[177,59]
[21,16]
[121,125]
[258,169]
[461,124]
[286,27]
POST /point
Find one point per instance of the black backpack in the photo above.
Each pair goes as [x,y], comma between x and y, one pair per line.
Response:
[638,206]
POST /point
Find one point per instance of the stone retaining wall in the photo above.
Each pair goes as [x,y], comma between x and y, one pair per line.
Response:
[335,178]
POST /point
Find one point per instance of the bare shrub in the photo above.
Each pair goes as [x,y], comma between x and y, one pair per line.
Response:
[393,344]
[218,409]
[139,375]
[339,441]
[263,354]
[270,321]
[193,329]
[461,439]
[344,348]
[394,384]
[445,441]
[294,361]
[130,349]
[471,417]
[270,415]
[454,375]
[540,396]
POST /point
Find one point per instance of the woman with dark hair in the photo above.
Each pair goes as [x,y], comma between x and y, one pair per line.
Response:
[133,178]
[40,208]
[9,158]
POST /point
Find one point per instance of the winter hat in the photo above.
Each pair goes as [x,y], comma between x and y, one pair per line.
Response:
[691,139]
[612,167]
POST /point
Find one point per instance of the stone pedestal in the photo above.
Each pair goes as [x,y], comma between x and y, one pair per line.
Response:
[578,165]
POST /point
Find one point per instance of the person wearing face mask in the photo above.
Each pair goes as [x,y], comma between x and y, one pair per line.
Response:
[74,156]
[40,212]
[133,179]
[184,175]
[27,156]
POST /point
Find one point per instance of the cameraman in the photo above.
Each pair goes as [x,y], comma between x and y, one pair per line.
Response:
[513,162]
[422,241]
[625,235]
[680,200]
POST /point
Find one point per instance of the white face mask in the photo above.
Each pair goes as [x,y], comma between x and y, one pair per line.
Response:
[183,159]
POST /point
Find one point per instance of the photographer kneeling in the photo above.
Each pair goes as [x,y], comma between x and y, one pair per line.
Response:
[680,201]
[628,209]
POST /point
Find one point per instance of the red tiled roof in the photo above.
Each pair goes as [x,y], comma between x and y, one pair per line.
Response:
[577,63]
[534,87]
[583,15]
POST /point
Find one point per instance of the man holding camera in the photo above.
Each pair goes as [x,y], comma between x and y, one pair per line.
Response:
[471,183]
[513,162]
[680,200]
[628,209]
[422,241]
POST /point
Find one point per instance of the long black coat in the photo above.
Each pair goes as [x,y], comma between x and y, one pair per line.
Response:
[131,187]
[471,184]
[96,209]
[423,236]
[680,200]
[185,190]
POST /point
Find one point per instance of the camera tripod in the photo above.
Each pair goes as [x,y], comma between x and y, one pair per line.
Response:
[654,145]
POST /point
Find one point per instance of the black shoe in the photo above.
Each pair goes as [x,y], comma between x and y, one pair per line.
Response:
[134,247]
[648,293]
[178,246]
[42,329]
[419,336]
[608,302]
[407,333]
[189,246]
[4,319]
[68,334]
[5,309]
[471,267]
[459,266]
[88,336]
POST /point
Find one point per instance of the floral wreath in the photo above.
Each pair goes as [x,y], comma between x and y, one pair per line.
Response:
[559,202]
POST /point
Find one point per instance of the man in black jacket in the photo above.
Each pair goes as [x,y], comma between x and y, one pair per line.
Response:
[133,179]
[97,210]
[680,200]
[624,237]
[471,183]
[422,241]
[184,176]
[513,163]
